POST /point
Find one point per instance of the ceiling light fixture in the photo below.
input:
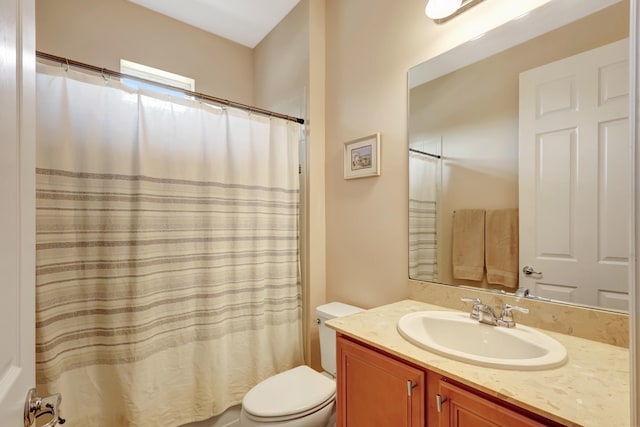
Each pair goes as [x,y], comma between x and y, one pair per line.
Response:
[443,10]
[438,9]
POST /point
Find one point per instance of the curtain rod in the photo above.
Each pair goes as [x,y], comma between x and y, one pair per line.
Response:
[413,150]
[104,71]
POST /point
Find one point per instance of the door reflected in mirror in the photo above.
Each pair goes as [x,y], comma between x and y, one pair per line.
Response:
[518,158]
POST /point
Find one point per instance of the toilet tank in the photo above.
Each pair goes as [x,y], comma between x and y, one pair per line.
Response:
[328,335]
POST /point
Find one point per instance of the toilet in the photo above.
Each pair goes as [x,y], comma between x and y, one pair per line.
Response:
[299,397]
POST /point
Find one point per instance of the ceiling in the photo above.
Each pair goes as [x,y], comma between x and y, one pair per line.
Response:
[244,21]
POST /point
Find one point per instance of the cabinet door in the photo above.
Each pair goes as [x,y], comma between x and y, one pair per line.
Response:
[375,390]
[465,409]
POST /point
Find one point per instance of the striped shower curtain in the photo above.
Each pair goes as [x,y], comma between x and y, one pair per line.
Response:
[167,252]
[424,173]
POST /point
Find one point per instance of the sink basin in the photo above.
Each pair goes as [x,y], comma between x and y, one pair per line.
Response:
[457,336]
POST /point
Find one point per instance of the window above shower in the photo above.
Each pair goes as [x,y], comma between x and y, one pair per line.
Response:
[156,75]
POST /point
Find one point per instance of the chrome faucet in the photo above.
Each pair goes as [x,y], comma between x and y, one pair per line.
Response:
[506,317]
[483,313]
[487,315]
[475,311]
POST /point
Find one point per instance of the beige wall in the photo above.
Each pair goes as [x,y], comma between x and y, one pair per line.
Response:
[290,78]
[103,32]
[370,46]
[315,227]
[281,65]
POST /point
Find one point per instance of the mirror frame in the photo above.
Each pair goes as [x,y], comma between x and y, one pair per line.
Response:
[634,267]
[538,21]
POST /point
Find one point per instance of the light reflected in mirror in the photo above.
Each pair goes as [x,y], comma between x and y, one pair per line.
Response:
[520,159]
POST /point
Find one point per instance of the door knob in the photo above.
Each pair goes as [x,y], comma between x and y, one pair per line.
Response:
[35,407]
[528,270]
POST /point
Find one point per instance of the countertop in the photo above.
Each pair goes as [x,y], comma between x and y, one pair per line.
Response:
[590,390]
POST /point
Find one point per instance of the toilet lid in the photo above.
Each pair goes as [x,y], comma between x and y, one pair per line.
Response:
[291,392]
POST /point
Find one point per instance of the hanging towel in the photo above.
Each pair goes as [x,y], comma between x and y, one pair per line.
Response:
[468,244]
[501,250]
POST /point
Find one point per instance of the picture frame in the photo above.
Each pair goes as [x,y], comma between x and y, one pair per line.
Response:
[362,157]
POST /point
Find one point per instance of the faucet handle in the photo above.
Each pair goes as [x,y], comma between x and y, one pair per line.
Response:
[506,317]
[508,307]
[475,312]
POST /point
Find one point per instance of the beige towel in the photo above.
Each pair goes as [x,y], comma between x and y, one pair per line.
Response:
[468,244]
[501,250]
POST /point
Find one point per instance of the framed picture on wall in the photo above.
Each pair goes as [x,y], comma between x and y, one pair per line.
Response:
[362,157]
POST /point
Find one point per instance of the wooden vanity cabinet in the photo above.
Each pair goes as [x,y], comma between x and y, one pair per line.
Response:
[464,408]
[376,389]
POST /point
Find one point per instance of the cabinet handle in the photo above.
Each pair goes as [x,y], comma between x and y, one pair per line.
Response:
[410,386]
[439,401]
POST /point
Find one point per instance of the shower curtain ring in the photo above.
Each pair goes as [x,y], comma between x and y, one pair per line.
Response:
[104,76]
[67,63]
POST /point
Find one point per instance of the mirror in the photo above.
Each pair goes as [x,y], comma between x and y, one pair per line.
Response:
[518,145]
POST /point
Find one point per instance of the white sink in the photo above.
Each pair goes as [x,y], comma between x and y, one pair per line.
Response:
[455,335]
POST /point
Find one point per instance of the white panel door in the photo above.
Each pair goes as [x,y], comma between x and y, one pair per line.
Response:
[17,208]
[574,178]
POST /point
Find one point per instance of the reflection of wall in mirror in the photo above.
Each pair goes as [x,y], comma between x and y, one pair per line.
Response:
[475,111]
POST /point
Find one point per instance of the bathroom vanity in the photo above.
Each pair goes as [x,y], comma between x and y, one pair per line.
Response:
[385,380]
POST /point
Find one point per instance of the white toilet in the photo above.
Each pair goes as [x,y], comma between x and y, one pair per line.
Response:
[299,397]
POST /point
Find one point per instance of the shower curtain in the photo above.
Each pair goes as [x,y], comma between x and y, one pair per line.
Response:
[423,193]
[167,252]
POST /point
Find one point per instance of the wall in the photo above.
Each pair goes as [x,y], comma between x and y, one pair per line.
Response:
[370,46]
[289,78]
[315,226]
[103,32]
[281,65]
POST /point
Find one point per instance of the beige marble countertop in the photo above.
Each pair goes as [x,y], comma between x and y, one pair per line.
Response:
[590,390]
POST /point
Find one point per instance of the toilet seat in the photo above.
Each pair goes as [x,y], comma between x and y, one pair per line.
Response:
[290,417]
[291,394]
